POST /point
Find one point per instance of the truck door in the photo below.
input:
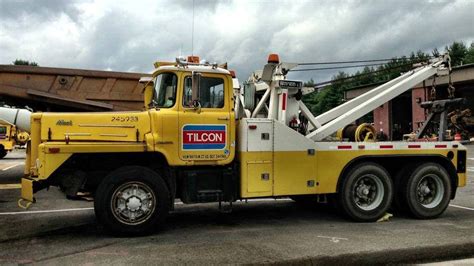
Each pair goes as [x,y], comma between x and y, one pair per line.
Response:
[205,127]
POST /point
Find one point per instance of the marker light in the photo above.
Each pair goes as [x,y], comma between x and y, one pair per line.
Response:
[193,59]
[54,150]
[232,73]
[273,58]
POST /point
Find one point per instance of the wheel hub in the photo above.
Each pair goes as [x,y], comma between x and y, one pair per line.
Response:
[430,191]
[368,192]
[426,190]
[133,203]
[365,191]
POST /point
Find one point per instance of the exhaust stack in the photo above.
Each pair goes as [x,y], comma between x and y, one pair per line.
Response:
[18,117]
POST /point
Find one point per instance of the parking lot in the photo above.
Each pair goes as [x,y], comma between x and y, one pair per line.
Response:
[59,231]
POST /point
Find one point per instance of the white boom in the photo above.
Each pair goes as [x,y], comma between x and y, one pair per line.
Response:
[345,114]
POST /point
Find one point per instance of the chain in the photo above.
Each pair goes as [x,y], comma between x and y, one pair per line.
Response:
[433,90]
[451,88]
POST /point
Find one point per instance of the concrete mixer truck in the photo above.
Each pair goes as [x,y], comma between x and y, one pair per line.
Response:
[204,138]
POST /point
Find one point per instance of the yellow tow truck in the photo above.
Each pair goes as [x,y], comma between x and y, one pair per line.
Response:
[204,138]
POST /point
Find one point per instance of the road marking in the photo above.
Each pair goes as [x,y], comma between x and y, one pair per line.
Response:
[333,238]
[91,208]
[47,211]
[471,159]
[470,169]
[10,167]
[461,207]
[10,186]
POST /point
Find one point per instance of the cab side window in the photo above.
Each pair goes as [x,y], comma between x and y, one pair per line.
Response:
[165,90]
[211,92]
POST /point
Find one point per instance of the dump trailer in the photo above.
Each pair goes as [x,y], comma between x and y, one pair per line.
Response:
[204,138]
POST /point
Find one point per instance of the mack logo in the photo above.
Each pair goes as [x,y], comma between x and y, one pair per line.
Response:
[204,137]
[64,123]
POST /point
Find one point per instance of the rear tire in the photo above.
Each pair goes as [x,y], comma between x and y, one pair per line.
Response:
[132,200]
[399,203]
[427,191]
[366,192]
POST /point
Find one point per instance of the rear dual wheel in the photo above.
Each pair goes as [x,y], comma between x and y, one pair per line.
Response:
[366,192]
[425,192]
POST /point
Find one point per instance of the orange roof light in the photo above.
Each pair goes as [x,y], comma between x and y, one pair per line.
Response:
[273,58]
[232,73]
[193,59]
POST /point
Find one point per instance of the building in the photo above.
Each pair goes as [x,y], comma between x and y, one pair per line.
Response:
[404,114]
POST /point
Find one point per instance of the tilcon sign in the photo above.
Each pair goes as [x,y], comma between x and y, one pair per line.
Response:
[204,137]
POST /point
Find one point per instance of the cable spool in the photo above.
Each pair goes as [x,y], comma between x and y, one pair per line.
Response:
[359,133]
[365,132]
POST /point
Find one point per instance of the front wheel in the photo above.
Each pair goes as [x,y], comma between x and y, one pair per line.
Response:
[366,192]
[132,200]
[427,191]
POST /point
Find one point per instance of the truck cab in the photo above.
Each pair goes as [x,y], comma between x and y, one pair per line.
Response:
[191,114]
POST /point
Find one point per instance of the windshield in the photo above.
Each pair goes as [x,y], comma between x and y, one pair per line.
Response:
[164,95]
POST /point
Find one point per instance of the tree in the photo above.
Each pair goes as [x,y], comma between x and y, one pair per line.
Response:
[328,97]
[469,57]
[457,52]
[309,83]
[332,95]
[20,62]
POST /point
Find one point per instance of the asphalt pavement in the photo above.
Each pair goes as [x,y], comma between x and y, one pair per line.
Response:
[60,231]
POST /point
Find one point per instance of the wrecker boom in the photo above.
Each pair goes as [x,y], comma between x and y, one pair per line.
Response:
[329,122]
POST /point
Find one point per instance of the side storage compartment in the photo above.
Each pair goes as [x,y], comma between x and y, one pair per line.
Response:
[255,146]
[259,177]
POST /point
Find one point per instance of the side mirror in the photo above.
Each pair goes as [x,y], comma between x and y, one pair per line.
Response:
[195,86]
[147,90]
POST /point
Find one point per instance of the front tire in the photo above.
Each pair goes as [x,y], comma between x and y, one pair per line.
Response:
[366,192]
[132,200]
[427,191]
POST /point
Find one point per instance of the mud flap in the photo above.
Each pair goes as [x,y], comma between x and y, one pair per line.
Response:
[26,193]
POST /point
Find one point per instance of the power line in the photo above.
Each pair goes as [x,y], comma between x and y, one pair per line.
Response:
[338,67]
[344,62]
[359,61]
[363,74]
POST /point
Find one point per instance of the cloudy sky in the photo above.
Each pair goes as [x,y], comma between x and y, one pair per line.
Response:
[131,35]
